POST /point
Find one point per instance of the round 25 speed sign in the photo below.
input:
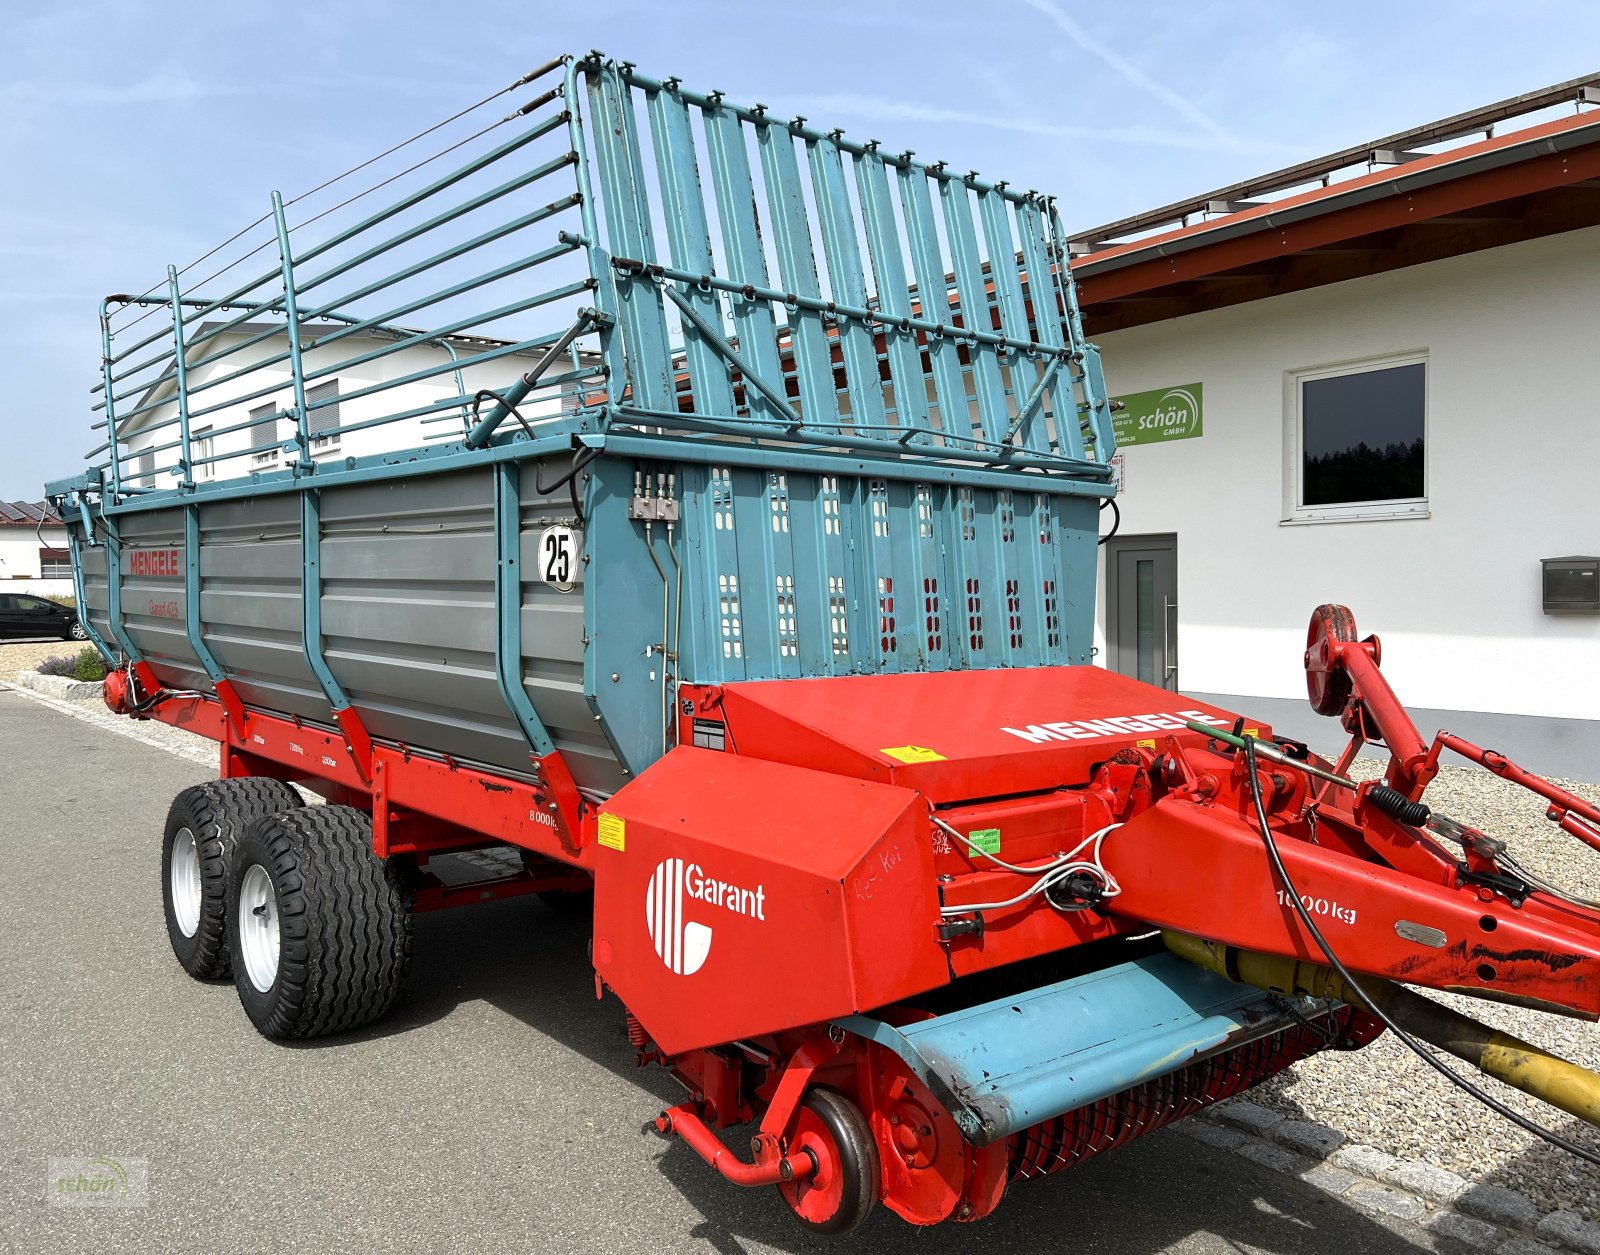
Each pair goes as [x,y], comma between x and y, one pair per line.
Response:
[559,549]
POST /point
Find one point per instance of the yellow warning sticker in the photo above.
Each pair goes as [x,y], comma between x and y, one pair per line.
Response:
[1149,745]
[613,832]
[1255,732]
[914,754]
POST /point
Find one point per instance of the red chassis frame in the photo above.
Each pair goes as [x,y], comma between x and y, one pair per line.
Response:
[420,806]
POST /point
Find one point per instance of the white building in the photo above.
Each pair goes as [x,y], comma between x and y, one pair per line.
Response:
[33,550]
[1371,380]
[234,432]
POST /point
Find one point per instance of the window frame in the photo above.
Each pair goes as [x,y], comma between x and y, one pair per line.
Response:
[50,568]
[319,392]
[264,457]
[1294,512]
[202,445]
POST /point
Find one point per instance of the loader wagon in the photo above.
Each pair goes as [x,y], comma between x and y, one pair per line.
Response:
[696,511]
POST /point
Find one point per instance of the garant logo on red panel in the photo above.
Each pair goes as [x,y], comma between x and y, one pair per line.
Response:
[675,886]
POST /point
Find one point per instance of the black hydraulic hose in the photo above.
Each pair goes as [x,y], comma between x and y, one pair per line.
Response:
[1450,1074]
[1116,518]
[580,460]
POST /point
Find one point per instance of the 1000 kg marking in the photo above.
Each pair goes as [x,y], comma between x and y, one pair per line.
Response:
[1319,906]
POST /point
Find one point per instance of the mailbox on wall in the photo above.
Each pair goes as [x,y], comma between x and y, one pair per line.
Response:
[1572,585]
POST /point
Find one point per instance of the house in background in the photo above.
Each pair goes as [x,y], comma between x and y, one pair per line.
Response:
[395,399]
[33,550]
[1371,379]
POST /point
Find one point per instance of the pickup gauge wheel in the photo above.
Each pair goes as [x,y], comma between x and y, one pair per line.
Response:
[203,825]
[845,1187]
[319,927]
[1327,684]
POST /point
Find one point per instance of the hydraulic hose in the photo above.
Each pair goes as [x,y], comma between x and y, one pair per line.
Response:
[1504,1054]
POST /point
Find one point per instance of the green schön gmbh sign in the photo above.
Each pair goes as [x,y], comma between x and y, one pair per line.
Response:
[1158,415]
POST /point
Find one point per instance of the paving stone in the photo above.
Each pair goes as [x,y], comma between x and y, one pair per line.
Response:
[1248,1116]
[1478,1234]
[1368,1161]
[1328,1179]
[1525,1246]
[1316,1140]
[1214,1134]
[1498,1205]
[1571,1229]
[1439,1184]
[1380,1198]
[1274,1157]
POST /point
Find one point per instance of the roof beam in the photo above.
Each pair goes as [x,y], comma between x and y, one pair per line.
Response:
[1339,226]
[1584,90]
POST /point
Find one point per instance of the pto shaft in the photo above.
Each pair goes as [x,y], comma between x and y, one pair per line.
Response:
[1524,1066]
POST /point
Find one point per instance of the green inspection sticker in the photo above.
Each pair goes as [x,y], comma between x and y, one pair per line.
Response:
[985,839]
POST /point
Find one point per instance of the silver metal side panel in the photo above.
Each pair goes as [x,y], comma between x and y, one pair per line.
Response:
[250,563]
[153,602]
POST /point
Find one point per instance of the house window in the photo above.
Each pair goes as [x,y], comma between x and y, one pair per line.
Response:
[264,436]
[201,448]
[322,416]
[1357,441]
[55,564]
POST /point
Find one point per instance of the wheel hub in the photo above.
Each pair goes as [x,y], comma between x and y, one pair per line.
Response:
[183,882]
[258,927]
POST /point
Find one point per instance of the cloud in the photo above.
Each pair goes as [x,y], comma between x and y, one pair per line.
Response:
[1146,84]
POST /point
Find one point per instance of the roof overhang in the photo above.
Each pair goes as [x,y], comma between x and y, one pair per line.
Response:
[1539,181]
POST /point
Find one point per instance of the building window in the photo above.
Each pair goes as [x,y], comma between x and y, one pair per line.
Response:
[1357,442]
[55,564]
[264,436]
[201,448]
[322,420]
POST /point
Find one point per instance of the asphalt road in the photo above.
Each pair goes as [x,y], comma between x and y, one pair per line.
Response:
[497,1108]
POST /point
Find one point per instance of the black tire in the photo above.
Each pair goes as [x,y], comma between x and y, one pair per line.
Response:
[214,815]
[857,1159]
[76,632]
[343,920]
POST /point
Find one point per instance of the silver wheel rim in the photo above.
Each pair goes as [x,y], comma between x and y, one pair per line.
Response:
[258,927]
[183,882]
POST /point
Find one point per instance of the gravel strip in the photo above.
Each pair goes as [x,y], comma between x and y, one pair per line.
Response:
[1384,1097]
[27,655]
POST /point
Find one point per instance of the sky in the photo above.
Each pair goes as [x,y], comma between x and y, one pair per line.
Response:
[134,135]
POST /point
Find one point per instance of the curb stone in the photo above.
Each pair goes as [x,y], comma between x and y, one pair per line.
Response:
[1438,1184]
[1498,1205]
[59,686]
[1571,1230]
[1485,1217]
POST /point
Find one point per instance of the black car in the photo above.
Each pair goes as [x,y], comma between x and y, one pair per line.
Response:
[25,615]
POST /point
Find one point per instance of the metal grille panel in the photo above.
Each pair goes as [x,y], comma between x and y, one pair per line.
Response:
[1078,1135]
